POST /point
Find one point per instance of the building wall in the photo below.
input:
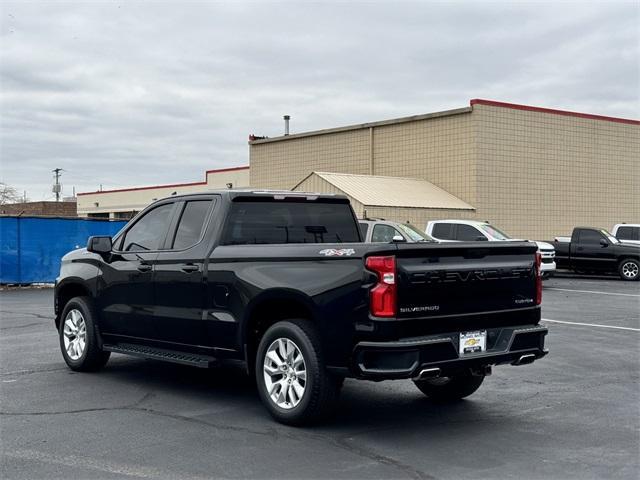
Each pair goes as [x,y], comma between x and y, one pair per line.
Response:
[440,150]
[281,165]
[536,174]
[541,174]
[46,209]
[111,203]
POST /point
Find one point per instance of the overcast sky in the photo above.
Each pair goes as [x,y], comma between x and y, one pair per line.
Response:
[121,94]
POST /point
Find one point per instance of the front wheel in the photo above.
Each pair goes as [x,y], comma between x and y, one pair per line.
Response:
[629,269]
[292,380]
[449,389]
[78,337]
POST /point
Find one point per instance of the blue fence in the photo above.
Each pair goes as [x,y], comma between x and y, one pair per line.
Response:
[31,247]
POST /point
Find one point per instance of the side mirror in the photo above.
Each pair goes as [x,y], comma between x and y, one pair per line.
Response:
[99,245]
[481,238]
[604,243]
[398,239]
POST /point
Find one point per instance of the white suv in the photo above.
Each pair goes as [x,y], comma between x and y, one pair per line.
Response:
[470,230]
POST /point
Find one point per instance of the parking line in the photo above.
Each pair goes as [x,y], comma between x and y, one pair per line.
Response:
[592,325]
[592,291]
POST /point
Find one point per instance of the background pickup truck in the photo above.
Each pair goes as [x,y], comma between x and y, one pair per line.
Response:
[282,282]
[594,250]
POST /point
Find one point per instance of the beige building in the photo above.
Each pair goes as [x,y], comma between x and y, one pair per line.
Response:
[126,202]
[534,172]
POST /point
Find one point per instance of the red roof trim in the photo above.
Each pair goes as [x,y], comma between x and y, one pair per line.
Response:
[133,189]
[230,169]
[173,185]
[515,106]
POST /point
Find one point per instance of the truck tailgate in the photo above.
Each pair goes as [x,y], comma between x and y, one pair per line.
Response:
[465,278]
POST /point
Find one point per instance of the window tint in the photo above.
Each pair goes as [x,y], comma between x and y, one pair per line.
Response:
[272,222]
[628,233]
[383,233]
[148,232]
[191,224]
[364,228]
[467,233]
[443,231]
[590,237]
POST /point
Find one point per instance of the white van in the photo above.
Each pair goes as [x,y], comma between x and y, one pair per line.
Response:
[470,231]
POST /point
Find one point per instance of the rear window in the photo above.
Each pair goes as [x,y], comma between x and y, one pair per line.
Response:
[290,222]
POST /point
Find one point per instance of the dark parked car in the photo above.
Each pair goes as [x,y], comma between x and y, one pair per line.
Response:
[594,250]
[281,282]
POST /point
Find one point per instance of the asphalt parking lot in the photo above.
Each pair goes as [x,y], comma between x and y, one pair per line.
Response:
[574,414]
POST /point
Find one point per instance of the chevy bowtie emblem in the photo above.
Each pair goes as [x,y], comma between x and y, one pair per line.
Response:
[471,342]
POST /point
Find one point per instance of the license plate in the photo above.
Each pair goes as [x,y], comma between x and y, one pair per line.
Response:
[473,342]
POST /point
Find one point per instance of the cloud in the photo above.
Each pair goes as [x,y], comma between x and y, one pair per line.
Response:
[124,94]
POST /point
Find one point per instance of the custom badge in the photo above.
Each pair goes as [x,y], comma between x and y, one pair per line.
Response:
[337,252]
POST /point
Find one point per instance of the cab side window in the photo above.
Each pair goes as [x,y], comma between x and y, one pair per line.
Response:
[443,231]
[628,233]
[467,233]
[191,225]
[383,233]
[590,237]
[149,232]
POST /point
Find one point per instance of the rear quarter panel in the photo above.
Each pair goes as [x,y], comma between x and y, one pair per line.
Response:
[328,279]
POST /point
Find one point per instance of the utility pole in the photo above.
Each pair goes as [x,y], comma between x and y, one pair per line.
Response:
[57,188]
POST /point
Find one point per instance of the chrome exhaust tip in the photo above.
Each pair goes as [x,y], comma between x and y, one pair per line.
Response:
[525,359]
[427,373]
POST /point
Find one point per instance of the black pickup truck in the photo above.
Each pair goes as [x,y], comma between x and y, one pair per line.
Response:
[595,250]
[282,282]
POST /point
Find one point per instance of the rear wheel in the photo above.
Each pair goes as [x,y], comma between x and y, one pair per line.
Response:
[449,389]
[78,337]
[629,269]
[292,380]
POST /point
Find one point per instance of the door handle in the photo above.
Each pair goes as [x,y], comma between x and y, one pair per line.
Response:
[189,267]
[144,267]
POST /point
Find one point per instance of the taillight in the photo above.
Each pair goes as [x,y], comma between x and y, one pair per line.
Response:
[383,297]
[538,279]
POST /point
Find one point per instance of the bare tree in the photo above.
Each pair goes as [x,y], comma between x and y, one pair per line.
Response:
[8,194]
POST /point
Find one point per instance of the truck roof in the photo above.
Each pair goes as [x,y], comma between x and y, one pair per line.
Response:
[233,193]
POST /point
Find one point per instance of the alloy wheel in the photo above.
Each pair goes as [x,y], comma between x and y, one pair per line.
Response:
[285,373]
[74,334]
[630,270]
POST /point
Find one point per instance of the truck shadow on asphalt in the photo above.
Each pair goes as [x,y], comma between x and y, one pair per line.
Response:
[226,396]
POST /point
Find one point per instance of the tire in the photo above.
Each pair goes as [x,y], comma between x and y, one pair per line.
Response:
[77,323]
[290,398]
[629,269]
[449,389]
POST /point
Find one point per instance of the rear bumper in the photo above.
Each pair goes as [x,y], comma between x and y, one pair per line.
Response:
[408,357]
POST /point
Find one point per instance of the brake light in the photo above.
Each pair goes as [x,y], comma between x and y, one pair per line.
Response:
[538,279]
[383,296]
